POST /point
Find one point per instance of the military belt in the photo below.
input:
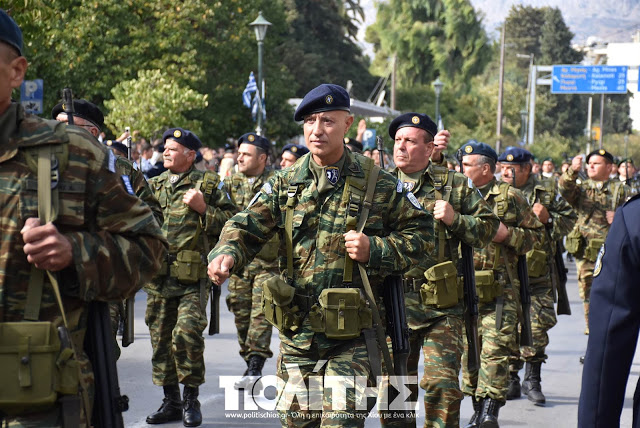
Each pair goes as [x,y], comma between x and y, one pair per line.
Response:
[164,268]
[412,285]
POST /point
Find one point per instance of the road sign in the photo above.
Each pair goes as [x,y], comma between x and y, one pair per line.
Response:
[369,138]
[31,95]
[589,79]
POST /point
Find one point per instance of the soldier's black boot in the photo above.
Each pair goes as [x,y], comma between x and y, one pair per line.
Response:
[531,385]
[253,373]
[477,409]
[514,386]
[489,416]
[191,417]
[171,408]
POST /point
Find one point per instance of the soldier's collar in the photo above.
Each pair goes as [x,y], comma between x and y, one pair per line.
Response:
[493,187]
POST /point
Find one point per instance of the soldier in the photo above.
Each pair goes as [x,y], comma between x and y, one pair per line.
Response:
[558,217]
[595,200]
[627,173]
[195,208]
[434,315]
[497,283]
[354,145]
[245,287]
[100,243]
[548,169]
[291,153]
[331,243]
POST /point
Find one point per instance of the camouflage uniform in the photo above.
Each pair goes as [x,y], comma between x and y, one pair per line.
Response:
[439,331]
[176,311]
[397,230]
[117,246]
[491,381]
[591,200]
[245,287]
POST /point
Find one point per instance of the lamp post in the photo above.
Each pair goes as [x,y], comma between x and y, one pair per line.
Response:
[523,125]
[437,87]
[260,25]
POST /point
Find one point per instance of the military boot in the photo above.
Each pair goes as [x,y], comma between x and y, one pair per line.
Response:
[253,373]
[531,385]
[171,408]
[477,409]
[489,416]
[514,386]
[191,417]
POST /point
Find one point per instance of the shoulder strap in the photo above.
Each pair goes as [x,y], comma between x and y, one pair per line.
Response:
[292,197]
[616,193]
[440,195]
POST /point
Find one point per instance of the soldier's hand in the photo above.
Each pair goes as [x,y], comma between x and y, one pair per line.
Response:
[541,211]
[576,163]
[195,199]
[441,142]
[46,247]
[219,268]
[502,234]
[357,245]
[610,215]
[444,211]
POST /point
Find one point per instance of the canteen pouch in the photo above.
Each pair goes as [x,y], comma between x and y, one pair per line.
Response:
[341,313]
[33,368]
[277,298]
[487,287]
[441,288]
[575,243]
[591,251]
[536,263]
[188,267]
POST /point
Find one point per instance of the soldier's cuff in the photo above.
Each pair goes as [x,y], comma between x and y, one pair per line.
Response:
[512,239]
[375,254]
[457,224]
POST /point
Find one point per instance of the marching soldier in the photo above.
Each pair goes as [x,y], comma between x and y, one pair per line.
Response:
[195,209]
[558,217]
[628,174]
[291,153]
[329,251]
[497,283]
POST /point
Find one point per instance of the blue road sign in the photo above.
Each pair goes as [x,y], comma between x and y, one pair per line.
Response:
[369,138]
[31,95]
[589,79]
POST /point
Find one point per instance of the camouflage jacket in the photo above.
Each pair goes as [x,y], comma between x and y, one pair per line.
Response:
[117,245]
[181,222]
[135,183]
[524,227]
[399,232]
[591,200]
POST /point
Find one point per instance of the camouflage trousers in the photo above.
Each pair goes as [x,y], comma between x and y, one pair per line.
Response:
[175,326]
[492,380]
[245,302]
[116,313]
[585,278]
[312,373]
[543,318]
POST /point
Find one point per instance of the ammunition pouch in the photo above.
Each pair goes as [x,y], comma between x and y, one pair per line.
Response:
[591,251]
[537,263]
[487,287]
[277,299]
[341,313]
[188,267]
[575,243]
[443,288]
[33,368]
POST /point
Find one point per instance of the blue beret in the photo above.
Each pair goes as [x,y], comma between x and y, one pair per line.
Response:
[414,120]
[601,152]
[198,157]
[296,150]
[515,155]
[182,136]
[325,97]
[10,32]
[354,145]
[473,147]
[115,144]
[256,140]
[84,109]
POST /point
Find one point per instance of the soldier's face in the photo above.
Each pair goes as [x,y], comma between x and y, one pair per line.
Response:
[598,168]
[250,162]
[522,174]
[324,134]
[177,158]
[480,174]
[12,70]
[287,160]
[547,166]
[622,169]
[411,152]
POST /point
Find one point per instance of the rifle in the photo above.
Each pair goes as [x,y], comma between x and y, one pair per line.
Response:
[67,104]
[470,299]
[214,324]
[129,306]
[380,147]
[564,308]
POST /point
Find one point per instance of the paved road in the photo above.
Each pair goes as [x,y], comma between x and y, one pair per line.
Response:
[561,377]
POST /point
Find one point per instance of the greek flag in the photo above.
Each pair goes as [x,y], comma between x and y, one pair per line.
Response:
[251,87]
[254,108]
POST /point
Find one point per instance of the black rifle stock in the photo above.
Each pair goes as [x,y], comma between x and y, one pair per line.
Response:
[67,104]
[380,147]
[526,336]
[397,328]
[128,335]
[564,307]
[214,323]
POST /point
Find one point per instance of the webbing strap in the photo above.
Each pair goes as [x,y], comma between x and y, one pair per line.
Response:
[353,198]
[441,227]
[292,193]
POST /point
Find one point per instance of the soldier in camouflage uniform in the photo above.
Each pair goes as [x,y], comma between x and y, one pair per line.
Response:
[316,202]
[245,287]
[195,208]
[101,244]
[628,174]
[437,325]
[595,201]
[497,283]
[558,217]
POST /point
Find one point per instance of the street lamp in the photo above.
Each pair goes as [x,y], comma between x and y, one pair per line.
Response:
[260,25]
[523,125]
[437,87]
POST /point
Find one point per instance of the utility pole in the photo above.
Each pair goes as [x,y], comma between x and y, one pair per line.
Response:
[589,114]
[601,119]
[393,82]
[501,81]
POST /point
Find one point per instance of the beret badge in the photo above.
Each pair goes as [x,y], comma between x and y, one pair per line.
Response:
[602,152]
[328,99]
[468,149]
[415,120]
[177,133]
[509,157]
[251,138]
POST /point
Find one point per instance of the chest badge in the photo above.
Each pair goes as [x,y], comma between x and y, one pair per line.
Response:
[333,174]
[174,178]
[409,185]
